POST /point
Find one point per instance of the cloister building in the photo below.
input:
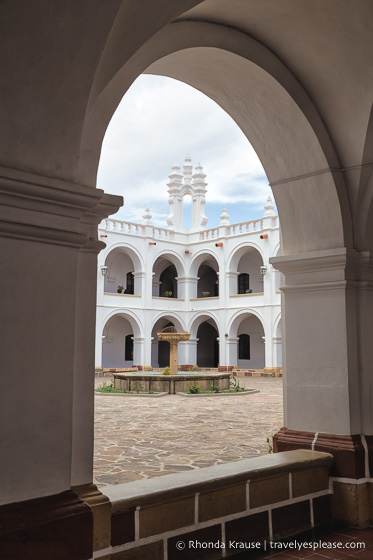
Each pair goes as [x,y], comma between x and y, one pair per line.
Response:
[297,78]
[217,284]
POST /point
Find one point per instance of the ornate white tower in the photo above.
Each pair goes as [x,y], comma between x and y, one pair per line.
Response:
[175,218]
[199,219]
[187,184]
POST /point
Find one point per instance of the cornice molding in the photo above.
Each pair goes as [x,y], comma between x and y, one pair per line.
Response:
[51,211]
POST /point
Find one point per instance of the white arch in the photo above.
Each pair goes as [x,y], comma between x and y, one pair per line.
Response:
[276,323]
[174,259]
[138,328]
[248,75]
[235,321]
[128,249]
[169,315]
[198,259]
[194,322]
[238,252]
[276,249]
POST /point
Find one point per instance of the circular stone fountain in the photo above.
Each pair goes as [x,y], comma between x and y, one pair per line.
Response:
[175,382]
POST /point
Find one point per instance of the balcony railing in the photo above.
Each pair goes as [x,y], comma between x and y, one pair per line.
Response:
[130,228]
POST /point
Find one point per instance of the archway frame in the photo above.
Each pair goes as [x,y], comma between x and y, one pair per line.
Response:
[138,329]
[306,165]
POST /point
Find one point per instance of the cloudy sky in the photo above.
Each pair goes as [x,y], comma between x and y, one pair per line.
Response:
[157,123]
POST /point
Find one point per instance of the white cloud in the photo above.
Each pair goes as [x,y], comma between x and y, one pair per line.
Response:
[157,123]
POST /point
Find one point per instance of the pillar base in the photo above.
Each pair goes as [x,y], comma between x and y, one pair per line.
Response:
[348,451]
[352,504]
[101,510]
[58,527]
[272,370]
[352,487]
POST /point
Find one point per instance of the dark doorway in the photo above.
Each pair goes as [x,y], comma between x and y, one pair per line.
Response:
[208,346]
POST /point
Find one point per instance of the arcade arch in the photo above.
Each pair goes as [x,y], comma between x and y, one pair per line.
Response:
[167,269]
[246,341]
[204,341]
[244,271]
[205,268]
[120,341]
[124,266]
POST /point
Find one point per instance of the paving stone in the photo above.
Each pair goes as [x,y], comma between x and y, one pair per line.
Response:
[142,438]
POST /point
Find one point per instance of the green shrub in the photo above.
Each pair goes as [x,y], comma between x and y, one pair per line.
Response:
[215,389]
[235,385]
[194,389]
[108,388]
[137,387]
[166,371]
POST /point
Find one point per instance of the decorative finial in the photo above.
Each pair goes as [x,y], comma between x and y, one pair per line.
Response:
[187,170]
[224,218]
[199,177]
[147,218]
[176,180]
[269,207]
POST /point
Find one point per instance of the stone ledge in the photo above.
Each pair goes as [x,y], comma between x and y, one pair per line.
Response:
[212,394]
[151,395]
[173,486]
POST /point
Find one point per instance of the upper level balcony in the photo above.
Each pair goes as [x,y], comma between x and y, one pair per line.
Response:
[212,234]
[214,268]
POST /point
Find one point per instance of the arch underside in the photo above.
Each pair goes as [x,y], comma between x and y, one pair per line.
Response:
[273,110]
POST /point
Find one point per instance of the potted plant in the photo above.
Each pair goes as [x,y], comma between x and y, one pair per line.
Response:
[168,294]
[120,289]
[206,294]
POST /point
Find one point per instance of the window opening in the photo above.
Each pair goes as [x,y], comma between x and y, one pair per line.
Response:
[244,347]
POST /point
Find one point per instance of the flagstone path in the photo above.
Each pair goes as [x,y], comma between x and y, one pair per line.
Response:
[145,437]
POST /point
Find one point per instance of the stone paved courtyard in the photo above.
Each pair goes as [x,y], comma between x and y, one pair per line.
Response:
[138,437]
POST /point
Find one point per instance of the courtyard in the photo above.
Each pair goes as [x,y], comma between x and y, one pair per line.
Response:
[138,438]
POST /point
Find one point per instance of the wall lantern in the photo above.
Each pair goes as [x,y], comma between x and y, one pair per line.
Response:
[103,235]
[264,236]
[219,244]
[263,270]
[104,270]
[187,252]
[152,243]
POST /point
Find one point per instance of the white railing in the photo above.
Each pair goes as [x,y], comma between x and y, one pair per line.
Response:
[209,234]
[161,233]
[122,227]
[247,227]
[237,229]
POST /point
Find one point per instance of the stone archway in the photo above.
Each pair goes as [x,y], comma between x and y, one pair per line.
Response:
[273,75]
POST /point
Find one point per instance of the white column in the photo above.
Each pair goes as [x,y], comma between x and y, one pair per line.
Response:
[140,283]
[232,283]
[192,351]
[138,351]
[326,384]
[231,351]
[277,351]
[192,286]
[83,393]
[155,288]
[182,354]
[269,362]
[49,330]
[182,283]
[153,356]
